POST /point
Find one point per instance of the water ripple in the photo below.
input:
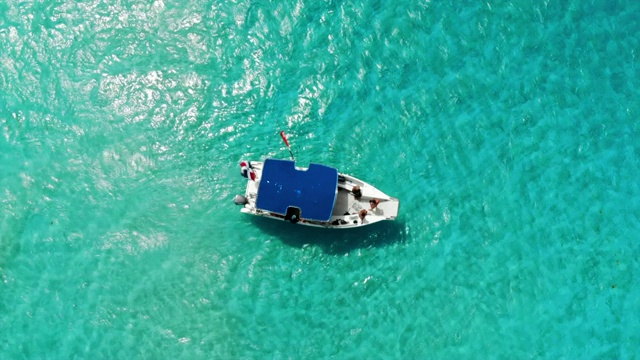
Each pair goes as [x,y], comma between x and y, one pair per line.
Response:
[506,129]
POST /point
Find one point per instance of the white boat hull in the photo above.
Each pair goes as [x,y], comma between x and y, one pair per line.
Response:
[345,214]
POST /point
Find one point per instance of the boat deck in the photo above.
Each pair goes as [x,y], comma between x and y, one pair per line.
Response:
[344,200]
[346,204]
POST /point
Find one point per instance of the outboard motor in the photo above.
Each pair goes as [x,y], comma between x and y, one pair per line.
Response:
[240,200]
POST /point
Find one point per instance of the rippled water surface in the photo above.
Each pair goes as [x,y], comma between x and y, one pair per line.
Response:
[509,131]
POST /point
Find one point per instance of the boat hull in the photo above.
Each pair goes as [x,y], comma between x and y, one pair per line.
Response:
[347,209]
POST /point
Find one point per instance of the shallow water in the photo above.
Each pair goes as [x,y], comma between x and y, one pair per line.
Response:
[508,130]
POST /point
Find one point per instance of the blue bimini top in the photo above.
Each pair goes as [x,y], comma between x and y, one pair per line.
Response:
[313,191]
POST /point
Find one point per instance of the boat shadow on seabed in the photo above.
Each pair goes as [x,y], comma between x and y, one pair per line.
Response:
[334,241]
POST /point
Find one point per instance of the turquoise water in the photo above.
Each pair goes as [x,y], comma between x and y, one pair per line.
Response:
[508,130]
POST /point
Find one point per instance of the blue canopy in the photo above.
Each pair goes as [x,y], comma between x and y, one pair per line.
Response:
[313,191]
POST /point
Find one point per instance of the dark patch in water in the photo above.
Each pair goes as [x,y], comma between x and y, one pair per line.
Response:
[334,241]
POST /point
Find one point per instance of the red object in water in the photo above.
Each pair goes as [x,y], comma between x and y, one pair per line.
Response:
[284,137]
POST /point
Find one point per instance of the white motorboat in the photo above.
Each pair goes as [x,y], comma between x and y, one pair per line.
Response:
[316,196]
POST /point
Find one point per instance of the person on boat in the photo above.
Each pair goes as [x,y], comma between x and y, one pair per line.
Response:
[374,203]
[357,193]
[362,214]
